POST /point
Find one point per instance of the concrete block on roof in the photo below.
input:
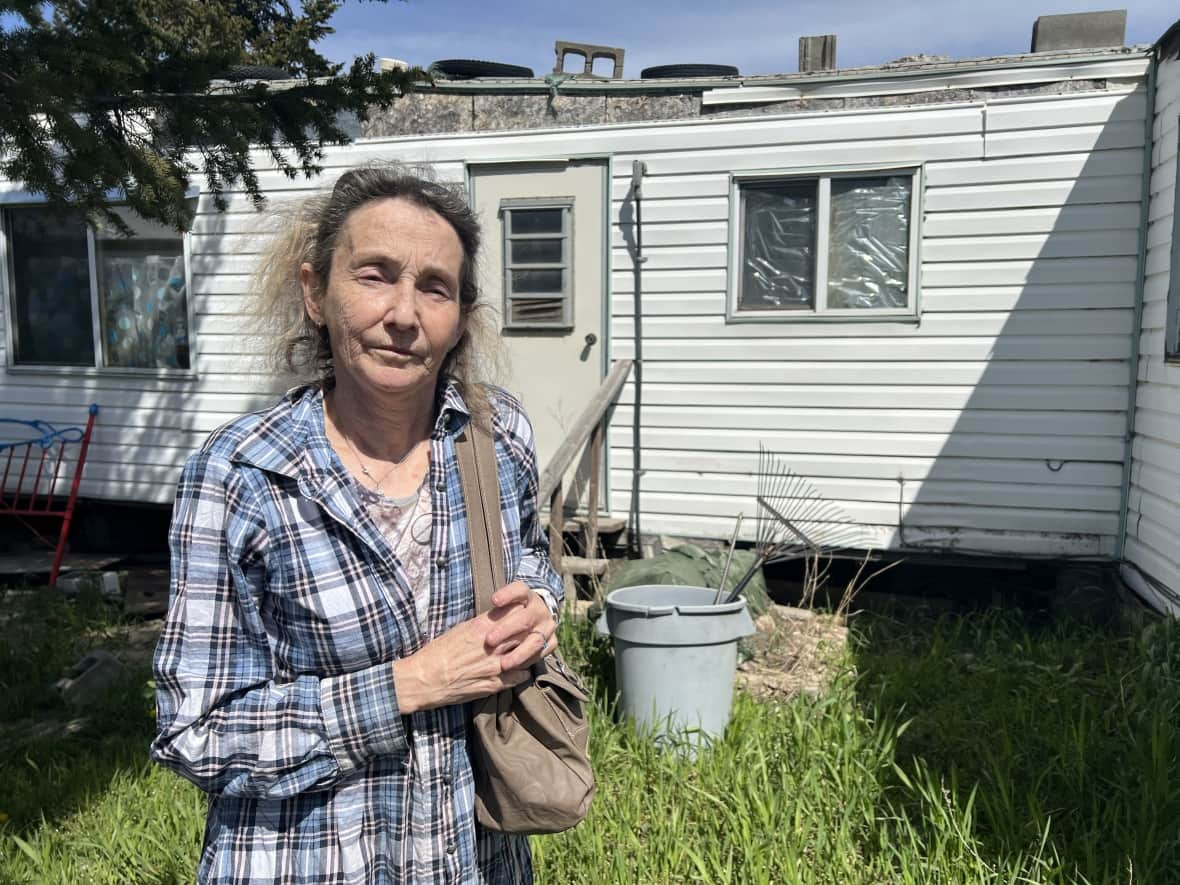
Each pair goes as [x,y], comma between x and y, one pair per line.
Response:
[1080,30]
[817,53]
[588,52]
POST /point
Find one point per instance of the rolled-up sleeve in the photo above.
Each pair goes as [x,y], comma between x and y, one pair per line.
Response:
[224,721]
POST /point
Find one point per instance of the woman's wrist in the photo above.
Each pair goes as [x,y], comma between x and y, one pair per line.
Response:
[412,692]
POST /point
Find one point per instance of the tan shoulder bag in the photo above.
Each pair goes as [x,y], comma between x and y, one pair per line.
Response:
[528,744]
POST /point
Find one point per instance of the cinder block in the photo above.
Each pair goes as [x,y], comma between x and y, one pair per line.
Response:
[89,679]
[817,53]
[108,583]
[1080,30]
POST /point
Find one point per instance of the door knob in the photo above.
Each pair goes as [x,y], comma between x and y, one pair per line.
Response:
[591,339]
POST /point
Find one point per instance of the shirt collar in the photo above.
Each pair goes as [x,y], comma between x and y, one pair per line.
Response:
[290,439]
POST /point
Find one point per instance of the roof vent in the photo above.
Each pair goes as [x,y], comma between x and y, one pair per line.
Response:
[1080,30]
[817,53]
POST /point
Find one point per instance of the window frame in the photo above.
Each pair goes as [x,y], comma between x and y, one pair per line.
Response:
[820,312]
[96,368]
[1172,305]
[507,206]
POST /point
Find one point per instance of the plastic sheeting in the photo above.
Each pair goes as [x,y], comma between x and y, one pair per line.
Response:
[868,243]
[778,251]
[144,316]
[51,283]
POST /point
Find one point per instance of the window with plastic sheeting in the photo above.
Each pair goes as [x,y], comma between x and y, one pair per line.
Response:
[88,296]
[835,245]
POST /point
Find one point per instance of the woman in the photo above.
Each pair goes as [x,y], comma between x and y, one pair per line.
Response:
[320,645]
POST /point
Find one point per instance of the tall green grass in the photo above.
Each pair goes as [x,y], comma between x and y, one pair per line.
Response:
[1054,728]
[965,749]
[801,792]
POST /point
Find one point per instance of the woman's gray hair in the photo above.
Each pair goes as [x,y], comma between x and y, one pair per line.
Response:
[300,349]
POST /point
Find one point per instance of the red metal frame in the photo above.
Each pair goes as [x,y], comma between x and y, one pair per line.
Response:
[38,464]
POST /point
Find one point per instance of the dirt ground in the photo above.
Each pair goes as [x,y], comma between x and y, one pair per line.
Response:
[795,651]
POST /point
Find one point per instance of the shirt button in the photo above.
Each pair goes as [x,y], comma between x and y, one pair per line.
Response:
[451,847]
[441,562]
[441,485]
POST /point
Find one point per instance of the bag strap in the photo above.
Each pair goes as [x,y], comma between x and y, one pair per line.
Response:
[480,479]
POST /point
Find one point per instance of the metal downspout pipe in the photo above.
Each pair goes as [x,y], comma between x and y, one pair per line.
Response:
[638,170]
[1137,323]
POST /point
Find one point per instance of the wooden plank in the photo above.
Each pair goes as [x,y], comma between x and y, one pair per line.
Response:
[591,534]
[556,525]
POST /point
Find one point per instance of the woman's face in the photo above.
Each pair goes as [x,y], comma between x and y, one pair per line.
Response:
[391,300]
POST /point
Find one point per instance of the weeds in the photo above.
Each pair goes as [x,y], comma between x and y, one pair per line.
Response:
[969,749]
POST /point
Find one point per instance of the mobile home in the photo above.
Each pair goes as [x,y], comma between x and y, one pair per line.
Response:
[942,290]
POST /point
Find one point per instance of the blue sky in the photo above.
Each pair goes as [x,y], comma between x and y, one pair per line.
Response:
[758,37]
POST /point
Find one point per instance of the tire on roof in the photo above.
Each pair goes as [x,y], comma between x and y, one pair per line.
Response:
[466,68]
[667,72]
[237,73]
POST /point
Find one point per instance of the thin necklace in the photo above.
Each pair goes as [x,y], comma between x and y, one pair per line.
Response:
[365,470]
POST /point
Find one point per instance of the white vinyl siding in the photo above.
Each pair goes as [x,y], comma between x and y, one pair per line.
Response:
[1153,517]
[994,423]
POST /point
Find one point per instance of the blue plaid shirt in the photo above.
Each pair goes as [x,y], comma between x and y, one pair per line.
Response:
[275,688]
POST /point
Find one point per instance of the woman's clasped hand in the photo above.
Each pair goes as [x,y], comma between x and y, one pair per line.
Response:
[479,657]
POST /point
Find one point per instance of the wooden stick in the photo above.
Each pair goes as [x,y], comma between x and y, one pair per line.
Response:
[591,536]
[728,559]
[556,527]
